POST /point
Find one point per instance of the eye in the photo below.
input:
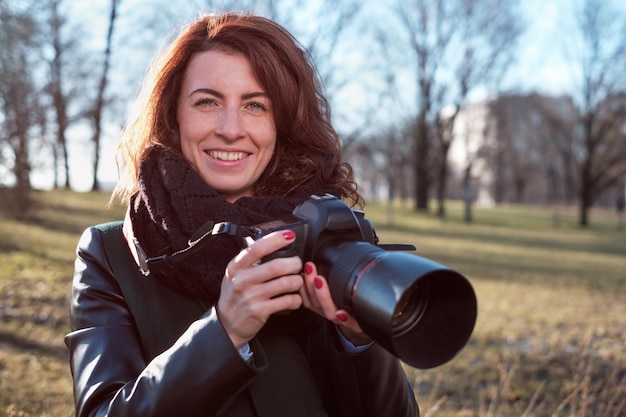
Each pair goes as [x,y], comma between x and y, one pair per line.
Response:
[257,106]
[205,102]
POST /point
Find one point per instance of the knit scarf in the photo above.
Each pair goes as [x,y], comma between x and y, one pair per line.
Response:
[173,201]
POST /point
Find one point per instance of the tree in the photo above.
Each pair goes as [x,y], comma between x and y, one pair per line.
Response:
[559,130]
[19,105]
[99,104]
[457,46]
[601,101]
[56,88]
[69,69]
[488,35]
[475,131]
[383,162]
[430,28]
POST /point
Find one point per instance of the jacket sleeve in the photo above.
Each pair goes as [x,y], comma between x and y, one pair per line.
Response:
[199,373]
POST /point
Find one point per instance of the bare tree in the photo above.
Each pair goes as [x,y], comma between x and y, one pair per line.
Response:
[391,146]
[475,131]
[559,117]
[488,34]
[19,106]
[430,26]
[62,51]
[99,104]
[457,46]
[601,101]
[56,87]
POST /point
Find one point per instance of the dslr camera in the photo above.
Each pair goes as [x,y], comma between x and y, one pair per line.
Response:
[420,311]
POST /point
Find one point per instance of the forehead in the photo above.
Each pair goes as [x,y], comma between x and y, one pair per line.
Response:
[219,68]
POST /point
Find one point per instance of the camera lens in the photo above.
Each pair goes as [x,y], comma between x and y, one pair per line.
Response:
[410,308]
[419,310]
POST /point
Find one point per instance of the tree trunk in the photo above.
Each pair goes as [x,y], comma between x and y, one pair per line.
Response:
[467,194]
[390,198]
[21,171]
[99,105]
[586,197]
[442,181]
[421,168]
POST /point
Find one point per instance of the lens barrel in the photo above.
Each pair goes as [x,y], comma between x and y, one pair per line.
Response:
[419,310]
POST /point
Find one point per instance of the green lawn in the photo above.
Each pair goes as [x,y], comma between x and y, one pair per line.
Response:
[550,337]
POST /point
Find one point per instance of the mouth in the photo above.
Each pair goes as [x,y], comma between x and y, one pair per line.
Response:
[227,156]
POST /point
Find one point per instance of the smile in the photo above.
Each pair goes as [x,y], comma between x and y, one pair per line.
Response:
[227,156]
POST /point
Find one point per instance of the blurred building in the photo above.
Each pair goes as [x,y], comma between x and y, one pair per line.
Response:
[511,148]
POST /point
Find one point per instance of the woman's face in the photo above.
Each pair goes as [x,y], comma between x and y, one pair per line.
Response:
[226,125]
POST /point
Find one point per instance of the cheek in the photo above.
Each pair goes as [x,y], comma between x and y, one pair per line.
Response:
[184,141]
[270,145]
[187,134]
[186,150]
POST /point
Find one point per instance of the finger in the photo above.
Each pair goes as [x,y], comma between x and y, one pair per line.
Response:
[263,301]
[309,297]
[329,308]
[277,277]
[348,320]
[291,301]
[252,256]
[277,287]
[269,244]
[323,298]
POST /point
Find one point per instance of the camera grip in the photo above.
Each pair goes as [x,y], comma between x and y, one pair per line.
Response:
[286,252]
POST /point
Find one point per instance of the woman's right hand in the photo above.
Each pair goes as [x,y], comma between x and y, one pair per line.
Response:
[252,292]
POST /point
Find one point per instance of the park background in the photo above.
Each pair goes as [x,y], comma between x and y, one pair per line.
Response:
[490,134]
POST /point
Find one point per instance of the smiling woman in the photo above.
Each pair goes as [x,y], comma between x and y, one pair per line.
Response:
[232,128]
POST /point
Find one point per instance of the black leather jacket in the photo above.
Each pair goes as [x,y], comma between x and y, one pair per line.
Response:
[200,373]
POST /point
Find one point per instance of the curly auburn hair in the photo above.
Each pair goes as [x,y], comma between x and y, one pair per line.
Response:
[306,144]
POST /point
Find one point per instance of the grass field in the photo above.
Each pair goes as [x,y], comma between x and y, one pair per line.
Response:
[550,339]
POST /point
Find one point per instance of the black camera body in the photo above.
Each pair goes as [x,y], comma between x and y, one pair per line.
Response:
[417,309]
[319,222]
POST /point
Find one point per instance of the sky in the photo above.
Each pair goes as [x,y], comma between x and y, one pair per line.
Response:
[542,66]
[549,45]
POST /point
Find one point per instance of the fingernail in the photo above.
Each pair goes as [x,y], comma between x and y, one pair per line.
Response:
[318,282]
[341,316]
[308,268]
[289,235]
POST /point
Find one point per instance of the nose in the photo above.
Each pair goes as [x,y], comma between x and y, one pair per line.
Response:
[230,125]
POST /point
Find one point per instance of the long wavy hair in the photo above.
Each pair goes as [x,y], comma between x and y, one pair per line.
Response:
[306,145]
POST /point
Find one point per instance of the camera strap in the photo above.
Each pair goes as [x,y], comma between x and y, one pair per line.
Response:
[167,262]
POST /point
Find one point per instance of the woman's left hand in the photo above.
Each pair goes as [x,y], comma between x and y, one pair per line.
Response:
[316,297]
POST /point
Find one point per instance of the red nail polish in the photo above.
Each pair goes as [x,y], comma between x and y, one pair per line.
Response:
[289,235]
[318,282]
[341,316]
[308,268]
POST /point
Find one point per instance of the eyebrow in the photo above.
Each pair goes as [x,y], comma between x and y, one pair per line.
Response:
[220,95]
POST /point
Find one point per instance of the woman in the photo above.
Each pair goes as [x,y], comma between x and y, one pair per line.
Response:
[232,127]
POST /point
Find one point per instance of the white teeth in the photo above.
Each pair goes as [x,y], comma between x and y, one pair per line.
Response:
[227,156]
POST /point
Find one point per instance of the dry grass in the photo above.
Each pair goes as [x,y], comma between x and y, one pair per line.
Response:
[550,338]
[36,263]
